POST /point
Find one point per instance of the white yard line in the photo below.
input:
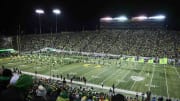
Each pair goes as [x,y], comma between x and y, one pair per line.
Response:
[151,79]
[133,84]
[138,75]
[111,75]
[123,78]
[90,71]
[166,83]
[80,70]
[99,74]
[87,84]
[177,72]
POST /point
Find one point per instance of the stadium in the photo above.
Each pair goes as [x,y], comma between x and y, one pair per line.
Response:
[129,56]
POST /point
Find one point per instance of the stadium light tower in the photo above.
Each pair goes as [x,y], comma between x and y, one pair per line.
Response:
[39,12]
[56,12]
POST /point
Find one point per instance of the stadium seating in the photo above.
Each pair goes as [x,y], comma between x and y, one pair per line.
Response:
[148,43]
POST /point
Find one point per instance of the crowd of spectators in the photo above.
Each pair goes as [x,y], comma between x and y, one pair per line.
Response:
[147,43]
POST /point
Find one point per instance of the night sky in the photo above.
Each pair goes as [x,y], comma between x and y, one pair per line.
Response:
[79,14]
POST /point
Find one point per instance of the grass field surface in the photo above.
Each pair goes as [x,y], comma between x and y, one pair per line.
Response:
[162,80]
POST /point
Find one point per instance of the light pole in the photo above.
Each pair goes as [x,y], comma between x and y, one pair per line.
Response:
[56,12]
[39,12]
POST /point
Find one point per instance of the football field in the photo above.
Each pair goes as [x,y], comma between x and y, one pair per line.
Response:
[161,80]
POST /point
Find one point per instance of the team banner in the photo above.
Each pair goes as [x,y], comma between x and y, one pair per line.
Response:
[132,59]
[141,61]
[150,61]
[128,59]
[163,61]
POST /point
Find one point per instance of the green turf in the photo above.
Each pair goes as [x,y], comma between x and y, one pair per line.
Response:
[109,71]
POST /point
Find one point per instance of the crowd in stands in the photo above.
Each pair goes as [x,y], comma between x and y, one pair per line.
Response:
[147,43]
[15,86]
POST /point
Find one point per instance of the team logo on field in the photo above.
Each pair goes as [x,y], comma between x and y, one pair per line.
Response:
[137,78]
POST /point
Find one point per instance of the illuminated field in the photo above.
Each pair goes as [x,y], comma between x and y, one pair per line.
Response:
[162,80]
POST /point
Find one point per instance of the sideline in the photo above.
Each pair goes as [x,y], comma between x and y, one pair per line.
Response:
[87,84]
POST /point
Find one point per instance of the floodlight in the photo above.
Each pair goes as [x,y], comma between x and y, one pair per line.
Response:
[121,18]
[140,18]
[39,11]
[56,11]
[106,19]
[158,17]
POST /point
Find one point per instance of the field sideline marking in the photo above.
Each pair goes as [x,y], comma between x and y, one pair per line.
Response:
[166,82]
[87,84]
[177,72]
[151,79]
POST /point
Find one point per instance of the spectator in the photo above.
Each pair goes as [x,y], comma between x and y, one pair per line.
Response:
[118,97]
[102,84]
[40,94]
[1,71]
[19,91]
[14,79]
[5,79]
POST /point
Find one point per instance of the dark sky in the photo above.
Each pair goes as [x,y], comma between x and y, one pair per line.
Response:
[79,13]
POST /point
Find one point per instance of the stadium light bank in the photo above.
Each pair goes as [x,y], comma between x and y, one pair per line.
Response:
[140,18]
[56,11]
[39,11]
[158,17]
[106,19]
[121,18]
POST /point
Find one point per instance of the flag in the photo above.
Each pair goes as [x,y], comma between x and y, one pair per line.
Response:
[150,61]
